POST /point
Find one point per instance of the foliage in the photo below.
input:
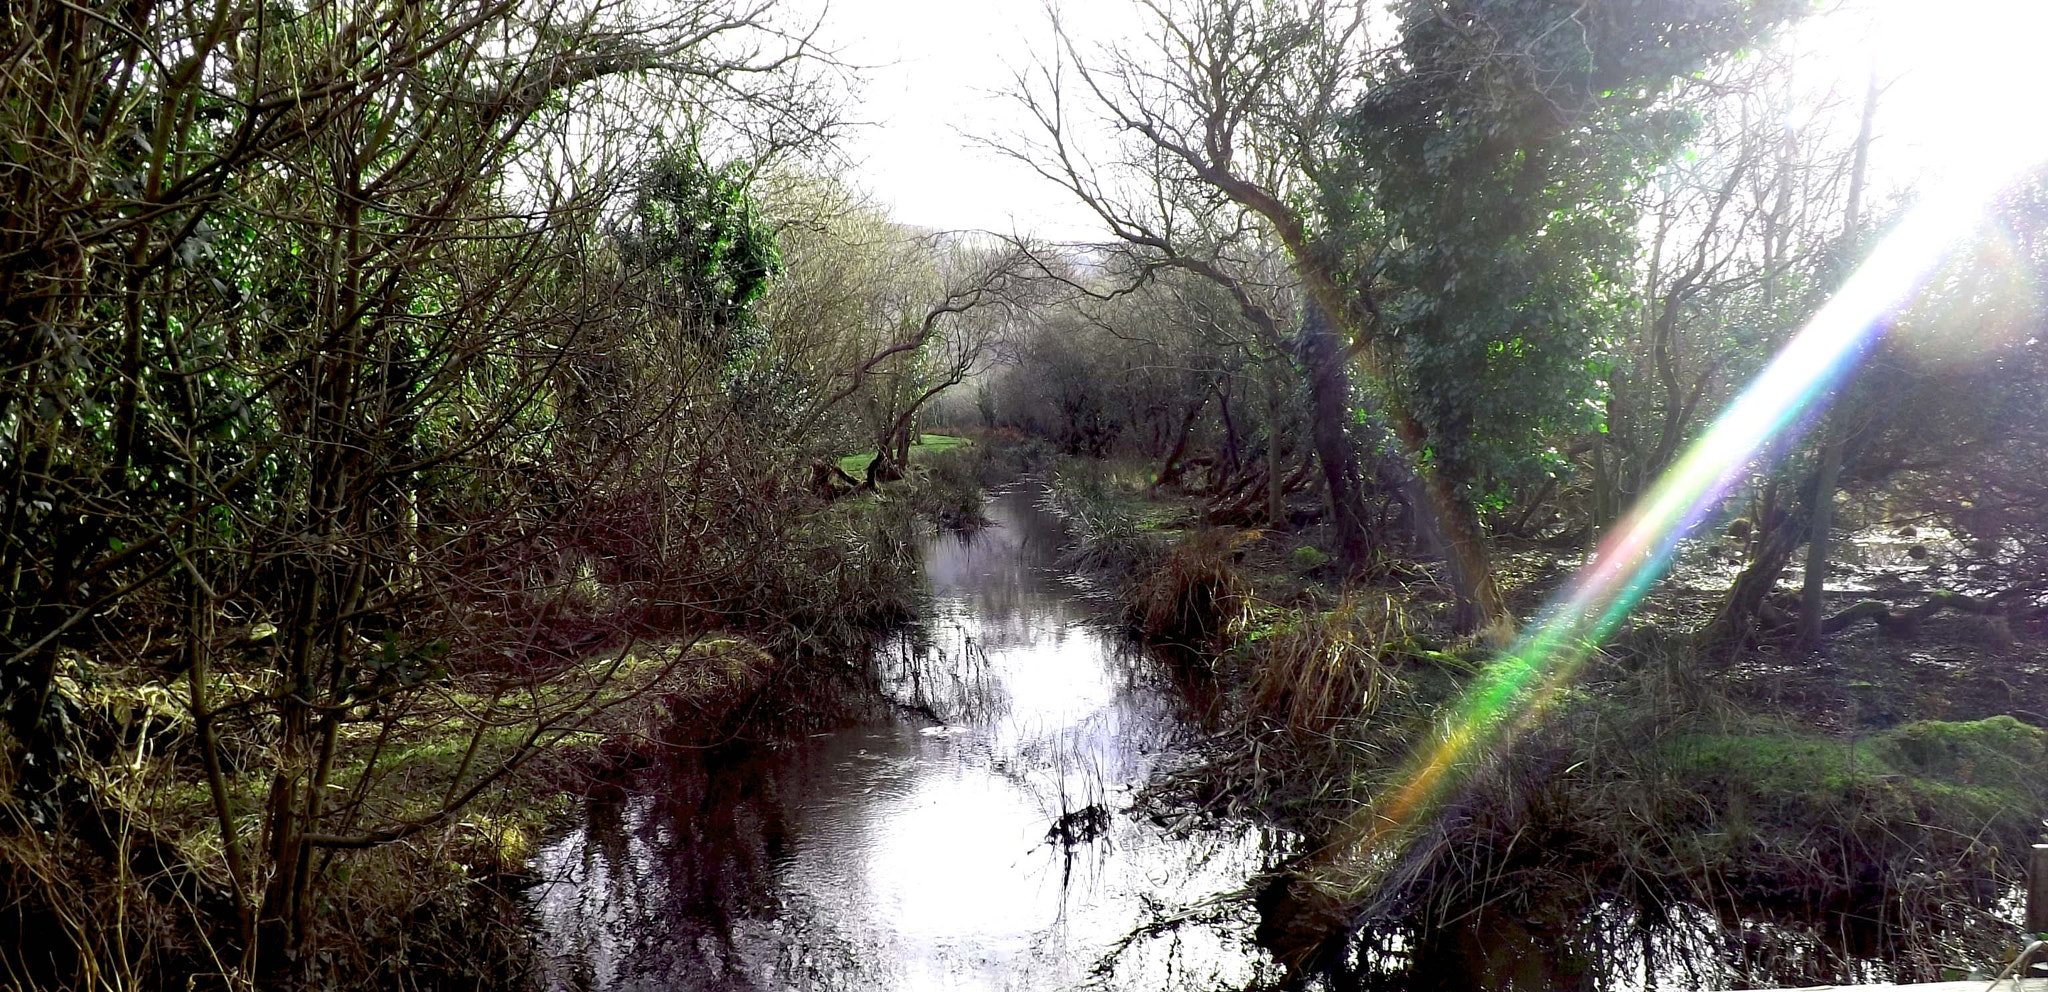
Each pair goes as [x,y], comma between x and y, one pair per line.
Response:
[696,236]
[371,357]
[1498,156]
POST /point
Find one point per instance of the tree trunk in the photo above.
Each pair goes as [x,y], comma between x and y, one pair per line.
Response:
[1227,459]
[1322,359]
[1734,625]
[1481,607]
[1813,603]
[1170,471]
[1275,494]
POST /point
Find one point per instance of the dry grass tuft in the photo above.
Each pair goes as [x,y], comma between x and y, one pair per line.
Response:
[1315,670]
[1197,596]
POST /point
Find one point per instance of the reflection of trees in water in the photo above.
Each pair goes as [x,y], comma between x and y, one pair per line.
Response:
[1185,937]
[678,886]
[653,889]
[1545,940]
[690,883]
[949,678]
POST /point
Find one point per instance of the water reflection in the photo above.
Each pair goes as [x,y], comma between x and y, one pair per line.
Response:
[976,842]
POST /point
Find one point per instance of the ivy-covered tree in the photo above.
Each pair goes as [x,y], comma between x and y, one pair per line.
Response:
[698,245]
[1455,203]
[1487,181]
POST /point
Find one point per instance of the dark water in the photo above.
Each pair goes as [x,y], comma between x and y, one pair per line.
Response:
[979,837]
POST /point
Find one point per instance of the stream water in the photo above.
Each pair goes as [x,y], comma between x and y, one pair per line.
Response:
[979,832]
[979,836]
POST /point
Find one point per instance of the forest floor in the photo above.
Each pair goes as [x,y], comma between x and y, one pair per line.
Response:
[1888,785]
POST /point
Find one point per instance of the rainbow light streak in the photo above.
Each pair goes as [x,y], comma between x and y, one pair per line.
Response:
[1514,692]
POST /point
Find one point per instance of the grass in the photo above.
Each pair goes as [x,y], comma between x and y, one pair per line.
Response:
[925,446]
[1312,671]
[1197,597]
[443,903]
[1118,532]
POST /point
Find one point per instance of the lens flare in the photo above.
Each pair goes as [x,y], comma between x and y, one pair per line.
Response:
[1515,691]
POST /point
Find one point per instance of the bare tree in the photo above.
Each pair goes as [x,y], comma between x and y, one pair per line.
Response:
[1233,105]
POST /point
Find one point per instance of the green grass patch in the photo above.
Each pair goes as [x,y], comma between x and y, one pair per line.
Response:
[926,446]
[1962,779]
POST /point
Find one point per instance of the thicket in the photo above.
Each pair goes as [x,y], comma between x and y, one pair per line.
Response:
[409,411]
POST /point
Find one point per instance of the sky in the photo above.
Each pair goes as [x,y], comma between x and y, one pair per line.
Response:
[935,69]
[1962,75]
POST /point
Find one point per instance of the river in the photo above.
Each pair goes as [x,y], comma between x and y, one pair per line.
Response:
[980,833]
[982,830]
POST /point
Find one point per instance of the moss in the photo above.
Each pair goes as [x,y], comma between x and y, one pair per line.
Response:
[1999,752]
[1775,764]
[1962,779]
[1308,558]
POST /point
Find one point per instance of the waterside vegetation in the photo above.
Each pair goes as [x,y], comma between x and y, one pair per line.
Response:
[414,414]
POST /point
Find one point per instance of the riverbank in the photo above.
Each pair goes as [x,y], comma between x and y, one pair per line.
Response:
[789,661]
[442,780]
[1888,789]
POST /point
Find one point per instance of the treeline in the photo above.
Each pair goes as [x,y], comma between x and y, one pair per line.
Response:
[1488,269]
[394,393]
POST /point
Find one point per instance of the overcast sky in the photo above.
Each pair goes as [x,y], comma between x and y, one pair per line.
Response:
[937,68]
[1966,80]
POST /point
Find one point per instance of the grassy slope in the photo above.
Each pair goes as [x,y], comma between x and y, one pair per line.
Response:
[927,445]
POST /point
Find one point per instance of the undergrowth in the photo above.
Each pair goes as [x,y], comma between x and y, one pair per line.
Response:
[1649,785]
[133,891]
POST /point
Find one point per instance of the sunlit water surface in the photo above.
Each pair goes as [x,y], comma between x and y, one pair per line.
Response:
[920,851]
